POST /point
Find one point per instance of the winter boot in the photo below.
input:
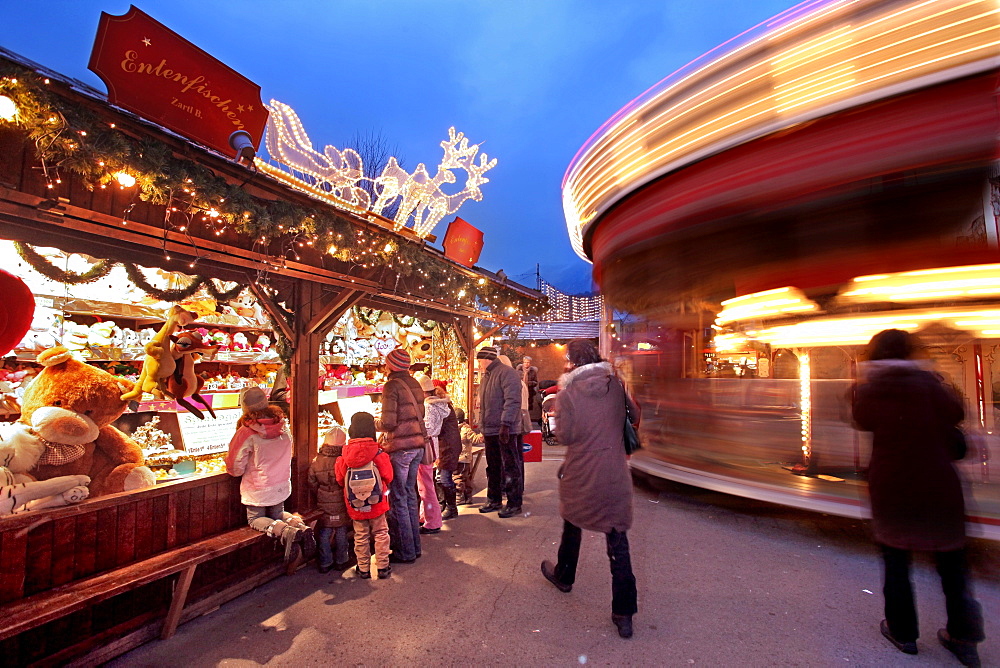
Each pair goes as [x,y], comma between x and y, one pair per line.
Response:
[306,537]
[450,511]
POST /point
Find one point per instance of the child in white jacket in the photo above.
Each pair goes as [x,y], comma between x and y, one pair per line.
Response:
[261,452]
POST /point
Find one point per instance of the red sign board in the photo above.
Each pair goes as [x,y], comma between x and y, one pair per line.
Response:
[462,242]
[154,72]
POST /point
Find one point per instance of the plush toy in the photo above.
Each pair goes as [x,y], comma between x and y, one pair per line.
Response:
[75,337]
[246,306]
[186,348]
[419,349]
[118,338]
[102,333]
[221,340]
[130,339]
[41,334]
[18,492]
[158,364]
[240,342]
[146,335]
[70,405]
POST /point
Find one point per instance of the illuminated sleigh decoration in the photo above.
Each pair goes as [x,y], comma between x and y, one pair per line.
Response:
[340,173]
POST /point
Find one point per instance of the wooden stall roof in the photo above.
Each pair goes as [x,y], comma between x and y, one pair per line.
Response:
[35,215]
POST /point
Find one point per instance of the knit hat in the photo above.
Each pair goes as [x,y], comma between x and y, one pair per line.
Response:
[336,436]
[443,384]
[362,425]
[398,360]
[426,384]
[487,353]
[253,399]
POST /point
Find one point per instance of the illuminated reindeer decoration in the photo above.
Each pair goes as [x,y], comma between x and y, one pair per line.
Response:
[339,173]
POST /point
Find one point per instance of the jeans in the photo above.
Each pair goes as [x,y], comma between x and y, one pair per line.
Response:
[504,470]
[326,554]
[446,479]
[623,593]
[965,616]
[404,505]
[275,512]
[363,532]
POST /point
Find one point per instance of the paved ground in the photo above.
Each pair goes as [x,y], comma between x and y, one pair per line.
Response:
[722,582]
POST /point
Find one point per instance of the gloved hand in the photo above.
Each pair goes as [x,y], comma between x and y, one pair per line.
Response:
[504,433]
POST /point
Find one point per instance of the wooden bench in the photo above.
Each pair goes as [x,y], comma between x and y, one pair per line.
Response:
[33,611]
[477,456]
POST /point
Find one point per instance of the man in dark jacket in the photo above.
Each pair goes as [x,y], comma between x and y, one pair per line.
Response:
[403,423]
[500,423]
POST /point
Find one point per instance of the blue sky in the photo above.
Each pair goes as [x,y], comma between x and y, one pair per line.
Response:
[532,79]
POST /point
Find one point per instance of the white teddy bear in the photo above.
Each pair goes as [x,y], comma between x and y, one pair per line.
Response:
[18,492]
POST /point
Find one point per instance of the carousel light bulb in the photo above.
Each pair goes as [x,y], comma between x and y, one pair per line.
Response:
[125,180]
[8,110]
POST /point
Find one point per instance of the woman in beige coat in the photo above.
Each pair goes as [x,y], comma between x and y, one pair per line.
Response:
[595,486]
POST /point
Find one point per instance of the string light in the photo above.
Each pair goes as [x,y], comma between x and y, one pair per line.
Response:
[125,180]
[8,109]
[337,175]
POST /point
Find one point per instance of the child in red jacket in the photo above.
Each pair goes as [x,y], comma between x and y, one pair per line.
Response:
[364,471]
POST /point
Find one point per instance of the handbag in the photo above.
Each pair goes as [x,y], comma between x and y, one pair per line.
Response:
[430,453]
[632,442]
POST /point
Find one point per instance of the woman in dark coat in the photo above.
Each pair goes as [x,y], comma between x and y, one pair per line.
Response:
[595,486]
[916,494]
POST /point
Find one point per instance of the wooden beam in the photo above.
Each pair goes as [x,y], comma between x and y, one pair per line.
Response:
[462,333]
[273,310]
[333,309]
[486,335]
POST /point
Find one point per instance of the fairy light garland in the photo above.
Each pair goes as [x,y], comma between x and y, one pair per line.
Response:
[103,267]
[71,138]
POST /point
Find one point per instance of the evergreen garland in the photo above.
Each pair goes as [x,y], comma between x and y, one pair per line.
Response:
[70,137]
[104,267]
[50,271]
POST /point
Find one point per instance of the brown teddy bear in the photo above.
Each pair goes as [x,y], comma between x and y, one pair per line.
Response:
[70,405]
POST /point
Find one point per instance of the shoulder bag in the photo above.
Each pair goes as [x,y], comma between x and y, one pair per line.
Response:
[632,442]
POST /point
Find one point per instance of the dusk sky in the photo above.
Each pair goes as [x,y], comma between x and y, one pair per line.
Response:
[531,79]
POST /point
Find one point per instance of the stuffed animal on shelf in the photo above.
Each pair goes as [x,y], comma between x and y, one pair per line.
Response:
[246,306]
[130,339]
[146,335]
[158,364]
[240,343]
[102,334]
[70,405]
[43,332]
[419,349]
[186,347]
[75,337]
[221,340]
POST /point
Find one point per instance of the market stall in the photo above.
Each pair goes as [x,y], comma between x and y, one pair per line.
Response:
[276,274]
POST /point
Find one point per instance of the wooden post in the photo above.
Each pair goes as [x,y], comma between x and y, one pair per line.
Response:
[304,385]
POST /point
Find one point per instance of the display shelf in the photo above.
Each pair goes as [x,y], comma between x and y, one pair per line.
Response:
[102,354]
[141,313]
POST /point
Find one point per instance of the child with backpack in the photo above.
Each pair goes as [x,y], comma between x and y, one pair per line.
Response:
[335,522]
[364,471]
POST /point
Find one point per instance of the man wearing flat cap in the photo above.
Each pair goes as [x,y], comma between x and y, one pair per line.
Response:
[499,420]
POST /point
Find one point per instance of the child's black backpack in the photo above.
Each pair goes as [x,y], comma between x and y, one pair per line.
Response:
[364,487]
